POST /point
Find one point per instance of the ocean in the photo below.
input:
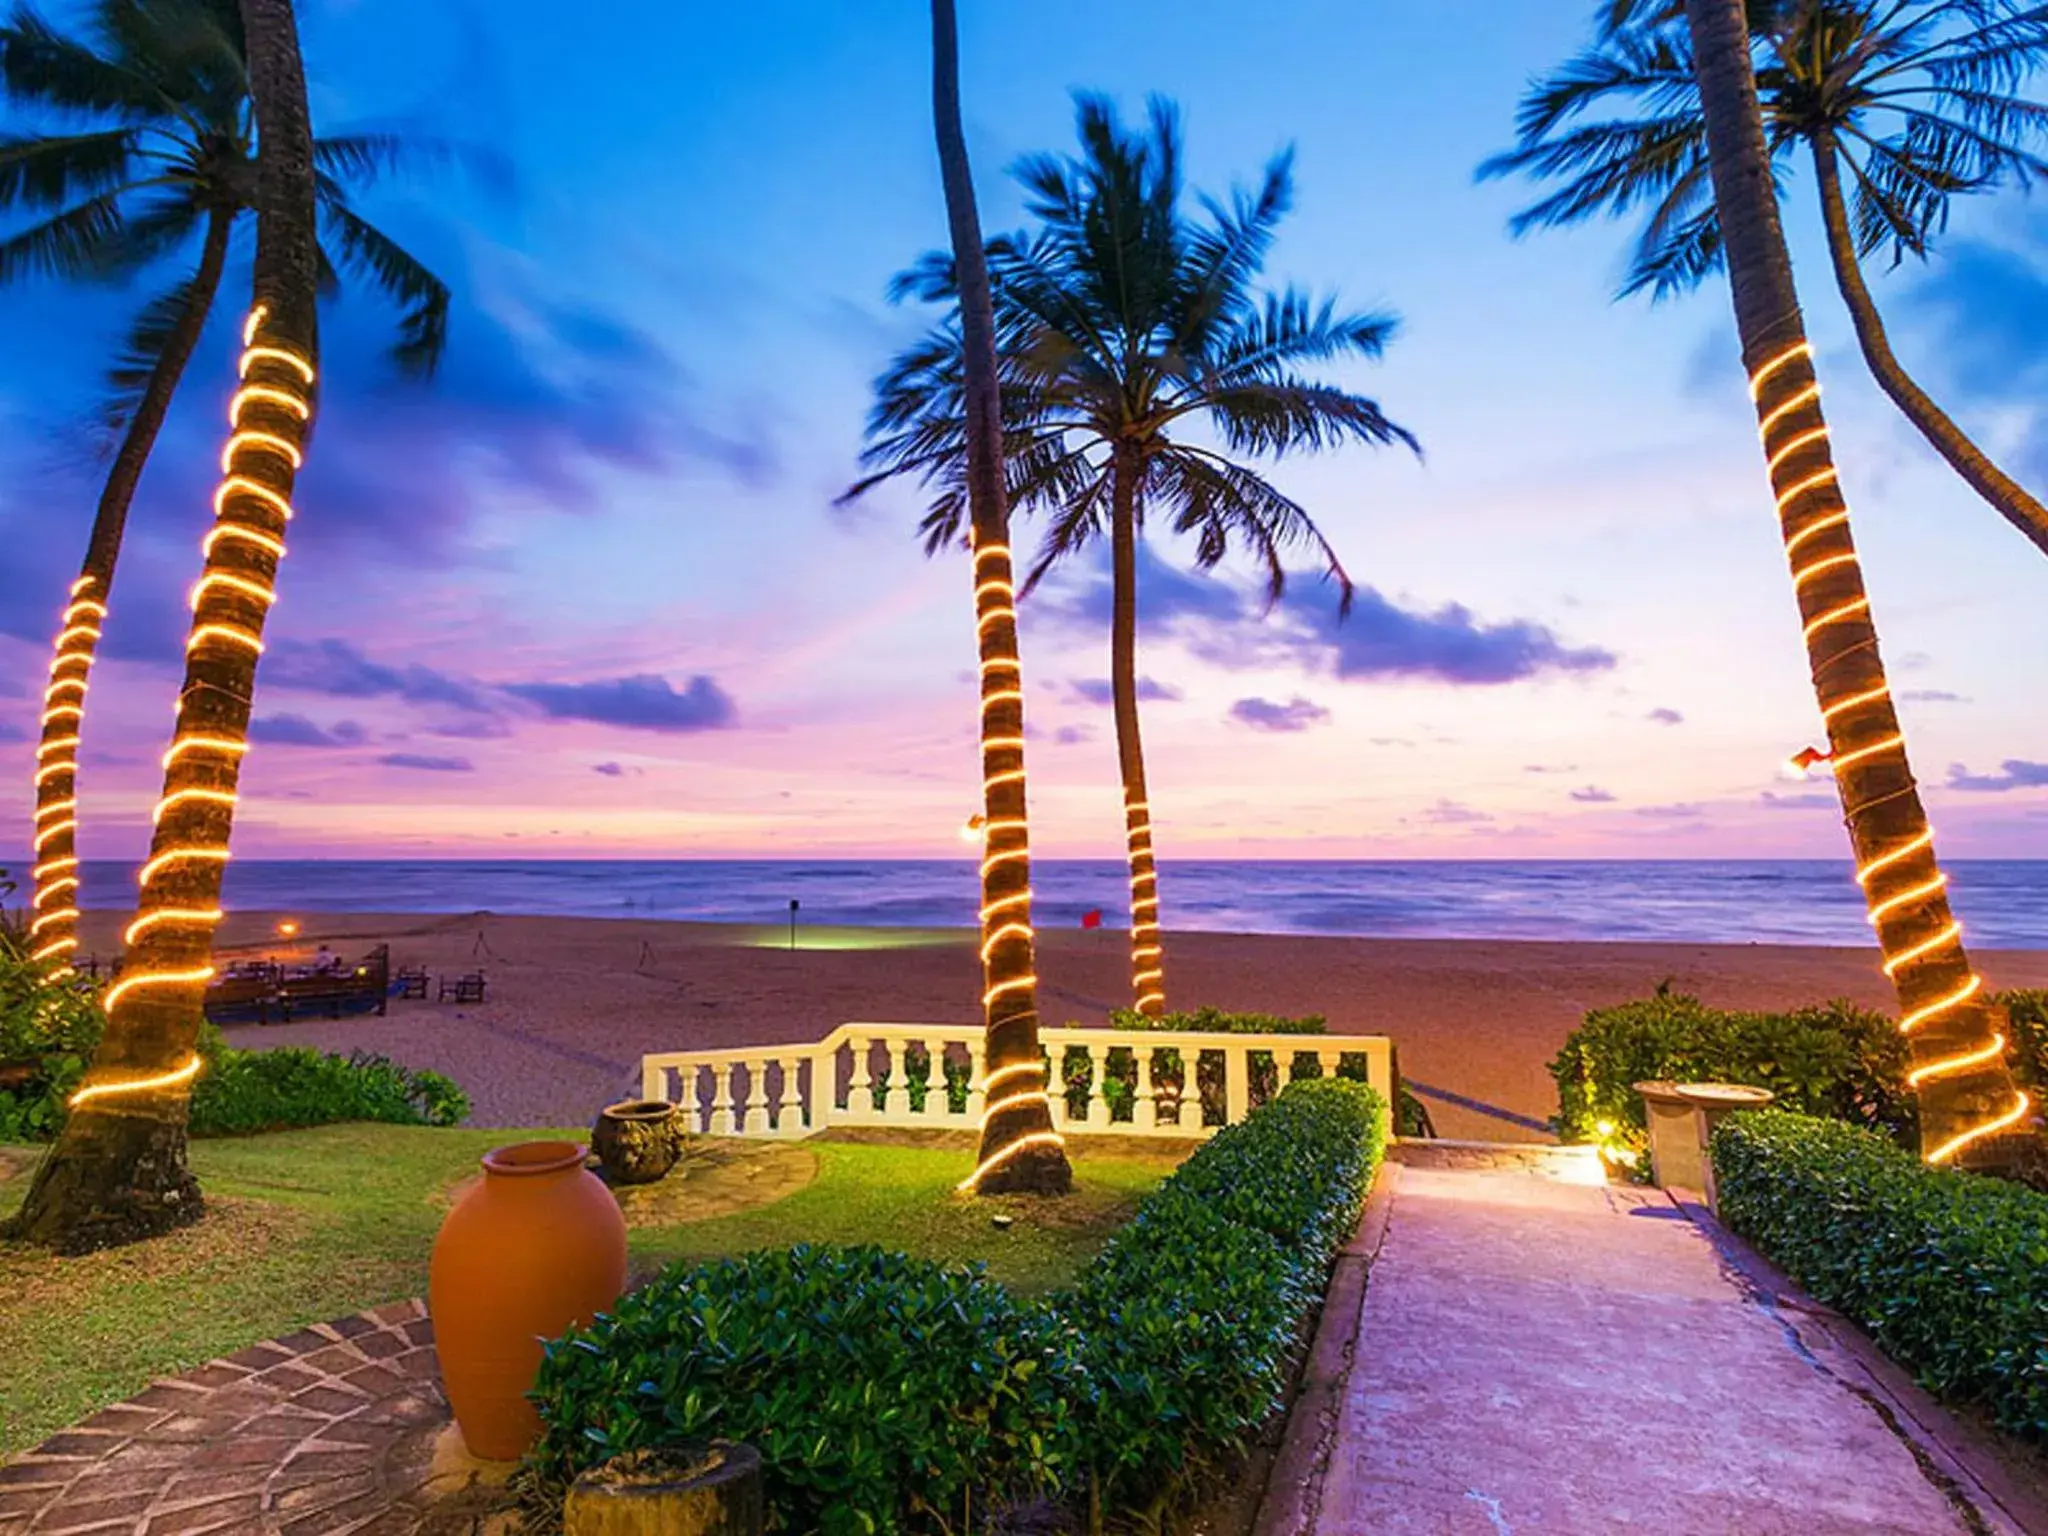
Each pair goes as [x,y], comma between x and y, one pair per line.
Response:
[2003,903]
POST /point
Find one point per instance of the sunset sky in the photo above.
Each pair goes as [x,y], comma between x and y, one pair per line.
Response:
[586,593]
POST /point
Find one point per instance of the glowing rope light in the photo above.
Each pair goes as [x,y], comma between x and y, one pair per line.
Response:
[186,744]
[1905,850]
[1956,1143]
[1002,683]
[253,438]
[212,796]
[262,594]
[263,541]
[120,989]
[1919,1016]
[203,917]
[1889,740]
[206,632]
[1955,1064]
[243,485]
[1905,957]
[155,865]
[170,1079]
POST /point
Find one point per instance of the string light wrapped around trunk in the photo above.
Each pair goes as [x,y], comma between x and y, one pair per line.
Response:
[1017,1112]
[1905,893]
[178,904]
[54,869]
[1147,970]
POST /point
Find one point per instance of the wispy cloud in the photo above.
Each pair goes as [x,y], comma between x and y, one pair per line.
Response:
[425,763]
[1097,690]
[298,731]
[1450,813]
[1297,714]
[2013,773]
[1593,794]
[642,702]
[1663,716]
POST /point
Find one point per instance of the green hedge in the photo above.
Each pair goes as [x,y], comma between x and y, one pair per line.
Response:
[1948,1271]
[891,1394]
[1835,1059]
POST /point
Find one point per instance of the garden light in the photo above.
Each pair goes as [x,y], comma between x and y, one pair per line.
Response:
[1905,894]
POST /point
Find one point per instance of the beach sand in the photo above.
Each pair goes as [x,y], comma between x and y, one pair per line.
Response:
[573,1002]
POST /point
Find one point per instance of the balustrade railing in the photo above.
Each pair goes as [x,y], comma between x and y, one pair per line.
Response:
[929,1076]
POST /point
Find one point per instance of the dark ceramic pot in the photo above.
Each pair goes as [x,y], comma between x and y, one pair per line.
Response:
[637,1141]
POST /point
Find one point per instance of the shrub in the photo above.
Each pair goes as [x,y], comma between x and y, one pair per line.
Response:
[887,1393]
[53,1027]
[246,1091]
[881,1391]
[1944,1269]
[1182,1328]
[2028,1053]
[1837,1060]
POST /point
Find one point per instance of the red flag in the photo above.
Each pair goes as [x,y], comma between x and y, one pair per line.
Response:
[1092,918]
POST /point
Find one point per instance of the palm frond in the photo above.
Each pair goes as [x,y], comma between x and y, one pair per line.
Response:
[45,171]
[360,248]
[71,244]
[149,333]
[40,66]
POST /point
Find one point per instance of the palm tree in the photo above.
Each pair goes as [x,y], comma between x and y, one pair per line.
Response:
[156,149]
[117,1171]
[1917,101]
[1020,1151]
[1966,1094]
[1124,322]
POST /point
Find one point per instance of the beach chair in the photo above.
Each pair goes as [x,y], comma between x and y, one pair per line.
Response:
[410,981]
[463,989]
[241,999]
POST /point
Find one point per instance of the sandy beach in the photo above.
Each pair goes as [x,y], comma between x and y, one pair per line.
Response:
[573,1002]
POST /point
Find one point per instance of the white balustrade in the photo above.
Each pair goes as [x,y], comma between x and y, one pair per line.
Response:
[804,1096]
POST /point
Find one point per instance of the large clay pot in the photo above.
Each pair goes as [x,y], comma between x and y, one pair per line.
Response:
[637,1141]
[536,1246]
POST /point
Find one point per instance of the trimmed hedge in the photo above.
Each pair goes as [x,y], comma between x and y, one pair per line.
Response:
[1948,1271]
[887,1393]
[1835,1059]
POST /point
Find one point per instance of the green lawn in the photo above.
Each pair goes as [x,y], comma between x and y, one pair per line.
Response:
[304,1226]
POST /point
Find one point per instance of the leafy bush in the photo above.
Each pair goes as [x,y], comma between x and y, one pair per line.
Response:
[1944,1269]
[244,1091]
[2028,1053]
[887,1393]
[1182,1328]
[1836,1059]
[880,1390]
[52,1029]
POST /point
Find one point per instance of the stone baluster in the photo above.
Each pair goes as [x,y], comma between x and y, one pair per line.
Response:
[1237,1084]
[1331,1061]
[756,1121]
[1098,1080]
[977,1093]
[860,1098]
[1145,1108]
[721,1098]
[896,1098]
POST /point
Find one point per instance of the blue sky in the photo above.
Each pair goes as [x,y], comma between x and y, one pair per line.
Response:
[587,592]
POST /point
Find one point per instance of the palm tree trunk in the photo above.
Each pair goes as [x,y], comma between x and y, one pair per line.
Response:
[1966,1094]
[1148,961]
[1020,1151]
[2006,495]
[117,1171]
[53,932]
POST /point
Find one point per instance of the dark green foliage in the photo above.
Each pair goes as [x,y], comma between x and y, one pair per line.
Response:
[2028,1053]
[1835,1059]
[917,1059]
[245,1091]
[880,1390]
[1948,1271]
[887,1393]
[1183,1328]
[52,1029]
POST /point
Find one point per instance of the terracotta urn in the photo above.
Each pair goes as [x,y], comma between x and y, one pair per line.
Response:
[637,1141]
[536,1246]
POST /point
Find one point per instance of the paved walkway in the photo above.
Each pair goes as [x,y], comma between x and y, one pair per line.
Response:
[335,1428]
[1539,1356]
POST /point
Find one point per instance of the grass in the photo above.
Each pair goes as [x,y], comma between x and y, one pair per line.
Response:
[304,1226]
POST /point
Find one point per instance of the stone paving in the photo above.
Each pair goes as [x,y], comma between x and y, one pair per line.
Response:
[1540,1357]
[337,1428]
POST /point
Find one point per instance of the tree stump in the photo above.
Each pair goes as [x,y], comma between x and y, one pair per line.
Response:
[709,1490]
